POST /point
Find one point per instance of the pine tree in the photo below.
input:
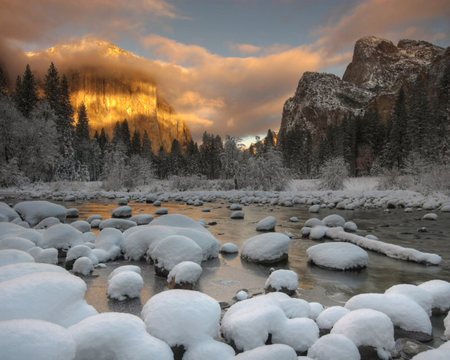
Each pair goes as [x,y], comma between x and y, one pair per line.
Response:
[52,88]
[103,140]
[136,143]
[26,92]
[82,126]
[125,135]
[146,150]
[177,163]
[65,109]
[3,82]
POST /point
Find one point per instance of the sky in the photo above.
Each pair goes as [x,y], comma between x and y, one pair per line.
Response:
[226,66]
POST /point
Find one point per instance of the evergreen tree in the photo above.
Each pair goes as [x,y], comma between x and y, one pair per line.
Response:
[136,146]
[125,135]
[65,109]
[26,92]
[192,158]
[146,150]
[82,126]
[52,89]
[162,164]
[177,163]
[103,140]
[269,140]
[3,82]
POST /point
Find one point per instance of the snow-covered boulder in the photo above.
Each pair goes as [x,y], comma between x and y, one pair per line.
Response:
[13,256]
[266,248]
[445,207]
[415,293]
[294,219]
[94,217]
[23,339]
[83,266]
[108,245]
[7,213]
[9,272]
[333,220]
[182,317]
[350,226]
[142,219]
[330,316]
[315,310]
[367,327]
[235,207]
[162,211]
[116,336]
[241,295]
[317,232]
[48,256]
[77,252]
[184,275]
[122,201]
[238,214]
[72,213]
[441,353]
[35,211]
[269,352]
[120,224]
[440,291]
[305,231]
[313,222]
[172,250]
[61,236]
[209,349]
[282,280]
[447,326]
[430,216]
[47,222]
[125,284]
[403,312]
[314,208]
[50,296]
[334,346]
[81,225]
[267,224]
[122,212]
[123,268]
[229,248]
[338,256]
[15,242]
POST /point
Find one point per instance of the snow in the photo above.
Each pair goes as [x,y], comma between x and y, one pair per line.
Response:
[48,256]
[403,312]
[294,219]
[83,266]
[237,214]
[79,251]
[142,219]
[125,284]
[436,354]
[430,216]
[81,225]
[241,295]
[94,217]
[440,291]
[235,207]
[317,232]
[185,272]
[72,213]
[35,211]
[313,222]
[333,220]
[10,229]
[51,296]
[269,352]
[334,346]
[12,271]
[315,310]
[95,223]
[314,208]
[390,250]
[266,224]
[446,324]
[25,339]
[13,256]
[229,248]
[330,316]
[116,336]
[367,327]
[7,213]
[338,255]
[350,226]
[61,236]
[120,224]
[174,249]
[162,211]
[182,317]
[208,350]
[15,242]
[415,293]
[298,333]
[282,279]
[266,248]
[122,268]
[47,222]
[122,212]
[108,244]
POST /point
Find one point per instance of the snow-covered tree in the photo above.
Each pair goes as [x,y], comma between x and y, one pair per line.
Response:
[333,173]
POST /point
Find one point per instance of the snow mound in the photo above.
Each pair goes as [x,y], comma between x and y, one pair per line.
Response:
[50,296]
[298,333]
[10,229]
[314,208]
[9,272]
[122,212]
[116,336]
[269,352]
[367,327]
[162,211]
[72,213]
[334,346]
[229,248]
[315,310]
[47,222]
[313,222]
[317,232]
[294,219]
[142,219]
[182,317]
[282,280]
[430,216]
[333,220]
[125,284]
[338,255]
[15,242]
[440,291]
[436,354]
[83,266]
[81,225]
[108,245]
[390,250]
[122,268]
[235,207]
[403,312]
[446,325]
[25,339]
[35,211]
[120,224]
[350,226]
[185,272]
[94,217]
[7,213]
[61,236]
[266,248]
[13,256]
[239,214]
[48,256]
[266,224]
[241,295]
[77,252]
[415,293]
[210,349]
[330,316]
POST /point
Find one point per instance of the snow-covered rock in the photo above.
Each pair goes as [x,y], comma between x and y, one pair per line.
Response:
[24,339]
[269,352]
[350,226]
[120,224]
[315,310]
[235,207]
[9,272]
[184,275]
[330,316]
[7,213]
[338,256]
[313,222]
[46,223]
[83,266]
[440,291]
[77,252]
[267,224]
[72,213]
[334,346]
[13,256]
[294,219]
[142,219]
[209,349]
[282,280]
[182,317]
[441,353]
[430,216]
[122,212]
[48,256]
[333,220]
[266,248]
[447,326]
[15,242]
[116,336]
[415,293]
[229,248]
[317,232]
[162,211]
[367,327]
[50,296]
[108,245]
[81,225]
[125,284]
[314,208]
[35,211]
[445,207]
[94,217]
[238,214]
[123,268]
[122,201]
[403,312]
[241,295]
[61,236]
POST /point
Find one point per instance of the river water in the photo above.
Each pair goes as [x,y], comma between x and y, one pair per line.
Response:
[223,277]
